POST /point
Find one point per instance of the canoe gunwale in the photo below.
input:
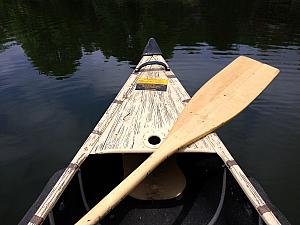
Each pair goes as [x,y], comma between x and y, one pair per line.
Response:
[44,205]
[30,214]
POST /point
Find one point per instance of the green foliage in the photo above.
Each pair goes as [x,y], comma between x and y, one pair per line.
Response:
[55,34]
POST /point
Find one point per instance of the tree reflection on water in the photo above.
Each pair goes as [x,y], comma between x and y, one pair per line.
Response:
[56,34]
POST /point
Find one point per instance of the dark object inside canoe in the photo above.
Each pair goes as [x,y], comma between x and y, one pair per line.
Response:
[196,205]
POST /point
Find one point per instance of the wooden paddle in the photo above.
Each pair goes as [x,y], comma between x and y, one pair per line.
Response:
[218,101]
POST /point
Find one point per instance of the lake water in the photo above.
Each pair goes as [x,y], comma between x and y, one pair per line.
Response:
[63,61]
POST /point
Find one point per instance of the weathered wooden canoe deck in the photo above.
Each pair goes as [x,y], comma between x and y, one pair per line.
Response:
[136,115]
[140,118]
[131,119]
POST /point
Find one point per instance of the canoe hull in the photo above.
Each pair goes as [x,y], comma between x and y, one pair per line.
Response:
[196,205]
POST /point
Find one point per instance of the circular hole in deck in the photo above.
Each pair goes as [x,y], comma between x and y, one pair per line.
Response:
[154,140]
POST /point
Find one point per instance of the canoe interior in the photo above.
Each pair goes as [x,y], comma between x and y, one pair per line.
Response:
[196,205]
[134,116]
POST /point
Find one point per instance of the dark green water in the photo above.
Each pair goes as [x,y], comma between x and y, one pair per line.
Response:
[62,63]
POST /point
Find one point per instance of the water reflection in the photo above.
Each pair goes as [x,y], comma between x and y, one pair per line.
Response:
[44,121]
[56,34]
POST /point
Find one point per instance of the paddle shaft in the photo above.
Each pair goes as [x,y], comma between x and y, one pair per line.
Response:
[128,184]
[218,101]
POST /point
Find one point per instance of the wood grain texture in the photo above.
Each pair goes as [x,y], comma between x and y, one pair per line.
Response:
[218,101]
[100,140]
[222,98]
[139,114]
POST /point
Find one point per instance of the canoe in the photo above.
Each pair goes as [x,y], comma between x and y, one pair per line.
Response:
[194,186]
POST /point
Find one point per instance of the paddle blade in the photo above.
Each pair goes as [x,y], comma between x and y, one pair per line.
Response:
[221,99]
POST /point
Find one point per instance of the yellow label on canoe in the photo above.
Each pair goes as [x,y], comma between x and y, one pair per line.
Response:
[152,81]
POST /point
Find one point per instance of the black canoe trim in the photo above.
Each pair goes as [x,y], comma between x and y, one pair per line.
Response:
[152,48]
[30,215]
[152,63]
[215,218]
[282,219]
